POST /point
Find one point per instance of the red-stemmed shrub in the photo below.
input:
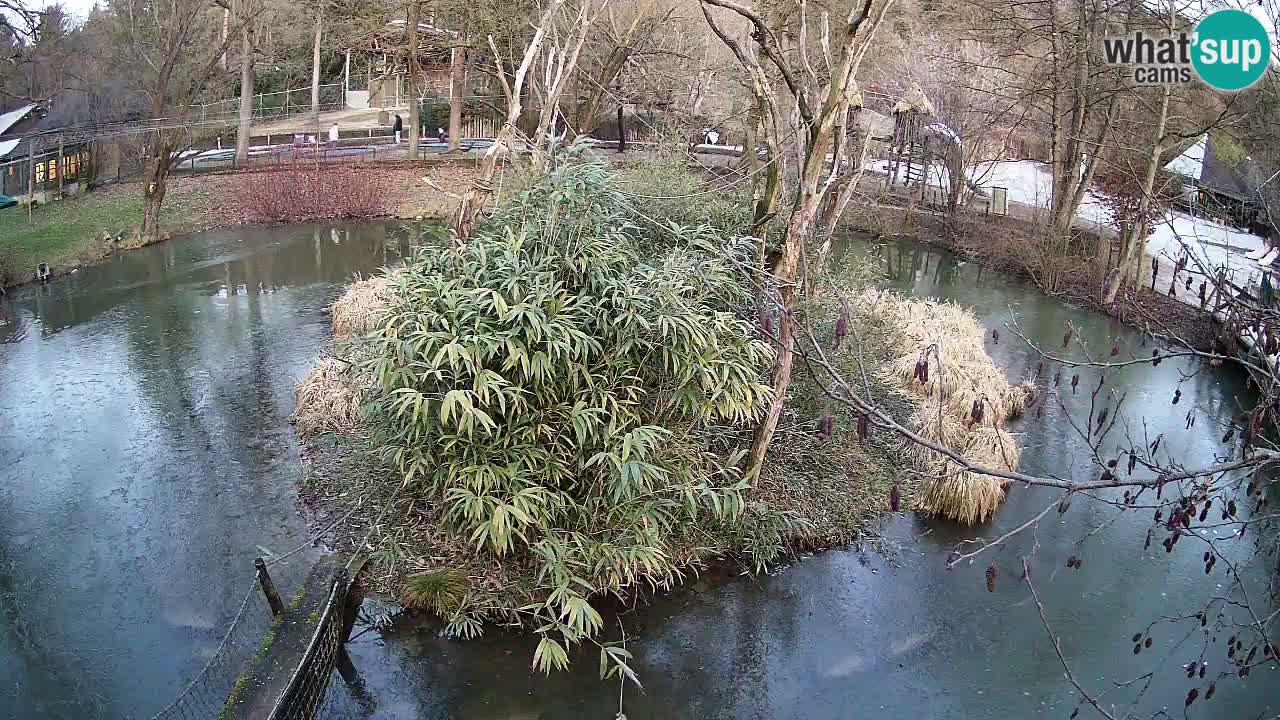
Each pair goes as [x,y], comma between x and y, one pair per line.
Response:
[311,193]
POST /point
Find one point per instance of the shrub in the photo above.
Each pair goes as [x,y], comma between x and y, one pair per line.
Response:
[559,395]
[666,191]
[311,193]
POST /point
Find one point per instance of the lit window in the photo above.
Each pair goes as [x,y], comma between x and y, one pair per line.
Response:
[39,172]
[53,171]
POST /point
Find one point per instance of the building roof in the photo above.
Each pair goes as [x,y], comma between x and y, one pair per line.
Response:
[1221,177]
[7,122]
[1190,163]
[11,118]
[1201,164]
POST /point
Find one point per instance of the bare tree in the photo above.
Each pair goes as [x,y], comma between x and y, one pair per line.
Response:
[820,101]
[175,51]
[415,107]
[243,12]
[315,62]
[457,89]
[560,65]
[627,34]
[480,194]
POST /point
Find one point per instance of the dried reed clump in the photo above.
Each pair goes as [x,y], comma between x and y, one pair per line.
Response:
[1024,396]
[960,496]
[934,422]
[327,399]
[362,306]
[953,492]
[960,376]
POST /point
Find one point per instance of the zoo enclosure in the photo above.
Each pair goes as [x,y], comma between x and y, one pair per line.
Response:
[272,106]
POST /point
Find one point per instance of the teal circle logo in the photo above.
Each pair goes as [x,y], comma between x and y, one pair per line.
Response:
[1232,50]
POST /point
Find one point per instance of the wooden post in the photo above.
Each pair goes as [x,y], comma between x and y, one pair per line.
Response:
[31,177]
[61,168]
[622,132]
[268,587]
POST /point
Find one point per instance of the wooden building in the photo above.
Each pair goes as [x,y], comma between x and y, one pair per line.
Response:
[38,165]
[375,72]
[1213,189]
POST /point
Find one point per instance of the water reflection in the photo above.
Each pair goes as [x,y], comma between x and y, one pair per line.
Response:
[145,455]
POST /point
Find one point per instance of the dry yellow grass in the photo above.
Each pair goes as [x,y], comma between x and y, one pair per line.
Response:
[960,374]
[960,496]
[362,306]
[327,399]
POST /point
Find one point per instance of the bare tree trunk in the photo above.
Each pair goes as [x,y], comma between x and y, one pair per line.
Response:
[415,107]
[785,275]
[1135,244]
[315,64]
[226,28]
[955,176]
[157,174]
[481,193]
[817,108]
[622,131]
[845,192]
[749,162]
[457,92]
[246,86]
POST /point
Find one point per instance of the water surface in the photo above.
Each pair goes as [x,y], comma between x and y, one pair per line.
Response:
[145,460]
[145,455]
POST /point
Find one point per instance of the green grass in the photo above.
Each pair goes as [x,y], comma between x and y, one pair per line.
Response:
[64,233]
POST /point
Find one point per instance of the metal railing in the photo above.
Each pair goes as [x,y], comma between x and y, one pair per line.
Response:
[275,105]
[308,687]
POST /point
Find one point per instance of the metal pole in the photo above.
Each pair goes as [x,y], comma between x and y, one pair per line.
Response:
[346,77]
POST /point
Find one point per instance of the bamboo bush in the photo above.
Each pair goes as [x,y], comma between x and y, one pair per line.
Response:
[557,393]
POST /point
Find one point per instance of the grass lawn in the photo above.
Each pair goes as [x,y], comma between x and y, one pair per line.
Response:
[64,233]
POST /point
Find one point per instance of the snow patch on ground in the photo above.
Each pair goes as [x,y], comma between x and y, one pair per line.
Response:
[1213,244]
[1030,183]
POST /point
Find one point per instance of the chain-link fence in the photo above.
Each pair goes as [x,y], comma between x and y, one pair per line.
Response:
[275,105]
[216,690]
[308,687]
[206,696]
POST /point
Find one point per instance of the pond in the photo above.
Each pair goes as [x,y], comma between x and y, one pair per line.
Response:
[145,455]
[145,460]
